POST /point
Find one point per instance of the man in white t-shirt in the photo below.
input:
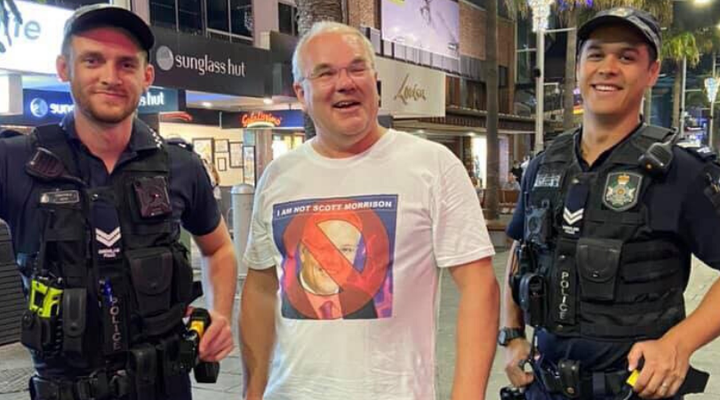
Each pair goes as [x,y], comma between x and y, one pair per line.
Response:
[349,235]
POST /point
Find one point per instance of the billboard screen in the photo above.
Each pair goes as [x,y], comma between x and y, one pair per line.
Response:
[432,25]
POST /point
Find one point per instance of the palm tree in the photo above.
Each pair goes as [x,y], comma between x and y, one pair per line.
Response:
[8,7]
[310,12]
[678,47]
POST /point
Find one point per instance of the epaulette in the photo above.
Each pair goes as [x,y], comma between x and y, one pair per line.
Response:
[704,153]
[180,142]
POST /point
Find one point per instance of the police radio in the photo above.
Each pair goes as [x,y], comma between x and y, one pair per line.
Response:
[658,157]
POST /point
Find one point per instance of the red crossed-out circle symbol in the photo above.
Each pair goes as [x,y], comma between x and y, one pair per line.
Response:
[357,288]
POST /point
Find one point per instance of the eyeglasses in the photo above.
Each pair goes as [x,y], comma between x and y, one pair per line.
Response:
[329,75]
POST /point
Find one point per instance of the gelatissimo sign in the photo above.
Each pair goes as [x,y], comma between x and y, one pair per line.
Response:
[282,119]
[43,106]
[34,44]
[209,65]
[409,90]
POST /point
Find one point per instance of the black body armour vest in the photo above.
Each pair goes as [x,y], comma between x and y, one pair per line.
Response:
[608,274]
[113,253]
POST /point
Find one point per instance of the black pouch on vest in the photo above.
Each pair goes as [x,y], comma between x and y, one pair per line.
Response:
[183,277]
[152,274]
[143,371]
[74,309]
[598,261]
[40,334]
[168,351]
[152,196]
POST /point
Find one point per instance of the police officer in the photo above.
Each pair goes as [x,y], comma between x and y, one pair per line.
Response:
[609,217]
[95,206]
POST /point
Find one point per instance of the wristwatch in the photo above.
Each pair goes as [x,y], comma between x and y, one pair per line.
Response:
[506,335]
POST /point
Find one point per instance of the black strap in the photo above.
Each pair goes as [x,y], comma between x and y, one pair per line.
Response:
[98,386]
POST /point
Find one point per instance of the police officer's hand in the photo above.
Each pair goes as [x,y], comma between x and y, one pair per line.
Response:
[664,369]
[516,352]
[217,342]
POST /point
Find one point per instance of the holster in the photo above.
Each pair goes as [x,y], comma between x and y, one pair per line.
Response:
[142,372]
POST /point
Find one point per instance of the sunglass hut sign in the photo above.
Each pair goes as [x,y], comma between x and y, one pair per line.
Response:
[166,60]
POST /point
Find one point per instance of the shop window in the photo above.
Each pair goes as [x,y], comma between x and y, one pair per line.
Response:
[230,17]
[163,13]
[241,20]
[502,76]
[287,19]
[190,16]
[217,15]
[183,15]
[452,91]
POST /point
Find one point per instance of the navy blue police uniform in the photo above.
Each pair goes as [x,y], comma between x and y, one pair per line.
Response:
[613,242]
[123,301]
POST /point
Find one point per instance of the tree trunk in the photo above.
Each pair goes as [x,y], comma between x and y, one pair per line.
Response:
[570,60]
[310,12]
[647,106]
[493,147]
[677,88]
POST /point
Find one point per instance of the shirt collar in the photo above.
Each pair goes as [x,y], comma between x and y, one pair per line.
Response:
[141,138]
[604,156]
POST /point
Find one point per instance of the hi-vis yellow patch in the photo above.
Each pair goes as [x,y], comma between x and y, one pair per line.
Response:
[632,379]
[399,2]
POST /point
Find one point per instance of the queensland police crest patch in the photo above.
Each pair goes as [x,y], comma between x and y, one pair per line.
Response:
[622,190]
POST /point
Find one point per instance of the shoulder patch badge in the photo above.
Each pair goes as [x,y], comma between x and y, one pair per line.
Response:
[622,190]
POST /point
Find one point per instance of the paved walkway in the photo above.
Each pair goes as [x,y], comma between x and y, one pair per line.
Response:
[15,364]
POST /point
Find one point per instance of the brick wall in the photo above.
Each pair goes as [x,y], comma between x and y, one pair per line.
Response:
[472,31]
[473,21]
[364,12]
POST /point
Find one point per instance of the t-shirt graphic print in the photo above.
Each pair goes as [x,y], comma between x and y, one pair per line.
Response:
[338,256]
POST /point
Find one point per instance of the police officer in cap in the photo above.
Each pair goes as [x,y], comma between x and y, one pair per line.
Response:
[609,217]
[95,205]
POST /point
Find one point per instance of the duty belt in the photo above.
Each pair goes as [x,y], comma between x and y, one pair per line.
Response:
[569,381]
[97,386]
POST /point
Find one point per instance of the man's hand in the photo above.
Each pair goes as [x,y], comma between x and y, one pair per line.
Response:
[664,369]
[217,342]
[516,352]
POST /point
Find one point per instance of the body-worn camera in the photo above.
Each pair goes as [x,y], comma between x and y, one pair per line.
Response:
[533,299]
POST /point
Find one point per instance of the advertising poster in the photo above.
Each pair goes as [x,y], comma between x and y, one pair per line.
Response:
[432,25]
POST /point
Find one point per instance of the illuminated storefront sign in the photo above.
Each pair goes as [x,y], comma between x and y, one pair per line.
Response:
[37,41]
[44,106]
[281,119]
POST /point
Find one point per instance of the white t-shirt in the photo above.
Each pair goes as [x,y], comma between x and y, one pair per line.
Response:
[357,243]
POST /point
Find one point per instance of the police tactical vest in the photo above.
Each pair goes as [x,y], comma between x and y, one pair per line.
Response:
[609,275]
[112,253]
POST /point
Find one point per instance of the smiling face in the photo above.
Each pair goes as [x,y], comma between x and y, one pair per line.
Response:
[339,90]
[614,71]
[108,72]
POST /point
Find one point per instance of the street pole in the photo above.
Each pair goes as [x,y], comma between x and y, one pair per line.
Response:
[541,14]
[682,98]
[540,90]
[711,133]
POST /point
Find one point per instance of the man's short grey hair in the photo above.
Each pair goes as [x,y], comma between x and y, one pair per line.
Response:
[322,27]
